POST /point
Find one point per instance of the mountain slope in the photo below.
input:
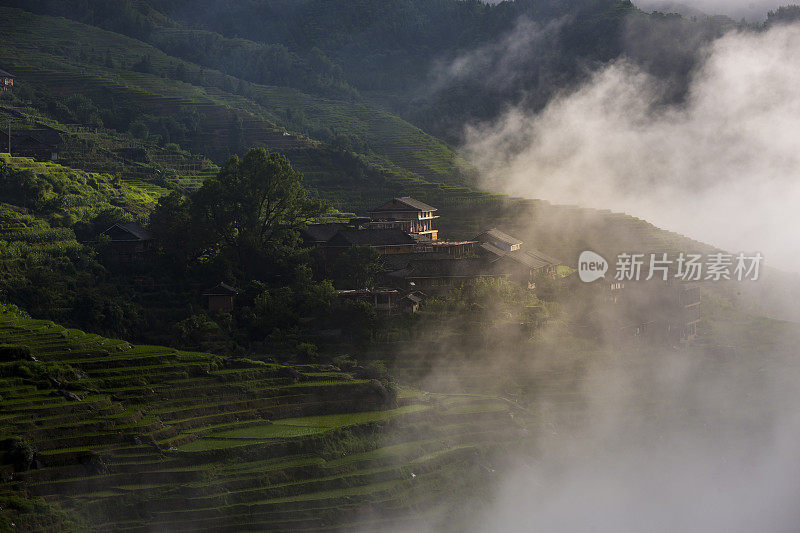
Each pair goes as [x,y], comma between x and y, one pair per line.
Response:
[131,438]
[63,57]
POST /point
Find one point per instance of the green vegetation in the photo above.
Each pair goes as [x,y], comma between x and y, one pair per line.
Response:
[287,413]
[205,114]
[66,197]
[156,436]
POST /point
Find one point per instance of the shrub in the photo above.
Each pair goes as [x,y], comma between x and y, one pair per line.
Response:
[19,453]
[14,353]
[307,352]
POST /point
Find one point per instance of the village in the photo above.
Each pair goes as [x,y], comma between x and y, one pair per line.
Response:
[418,265]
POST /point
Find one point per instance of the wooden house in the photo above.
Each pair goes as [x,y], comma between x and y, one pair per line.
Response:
[653,312]
[386,301]
[129,241]
[220,297]
[500,240]
[505,251]
[41,144]
[410,302]
[442,274]
[406,214]
[385,241]
[6,81]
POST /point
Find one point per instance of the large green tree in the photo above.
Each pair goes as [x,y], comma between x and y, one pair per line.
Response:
[257,201]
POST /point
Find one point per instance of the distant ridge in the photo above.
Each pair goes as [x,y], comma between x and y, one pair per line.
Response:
[669,6]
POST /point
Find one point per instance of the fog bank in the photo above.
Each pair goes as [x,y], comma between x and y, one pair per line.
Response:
[724,167]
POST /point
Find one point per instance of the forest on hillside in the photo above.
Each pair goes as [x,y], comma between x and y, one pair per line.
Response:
[424,60]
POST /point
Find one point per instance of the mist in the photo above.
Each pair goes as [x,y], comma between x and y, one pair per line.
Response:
[663,445]
[721,167]
[646,438]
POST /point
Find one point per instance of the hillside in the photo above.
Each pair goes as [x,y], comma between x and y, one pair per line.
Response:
[128,438]
[201,330]
[61,57]
[394,158]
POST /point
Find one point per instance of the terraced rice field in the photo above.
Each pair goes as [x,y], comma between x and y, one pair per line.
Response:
[147,438]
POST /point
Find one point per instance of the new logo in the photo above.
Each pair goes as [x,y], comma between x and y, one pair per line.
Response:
[591,266]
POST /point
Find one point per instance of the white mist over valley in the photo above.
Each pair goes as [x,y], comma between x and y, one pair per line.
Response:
[721,167]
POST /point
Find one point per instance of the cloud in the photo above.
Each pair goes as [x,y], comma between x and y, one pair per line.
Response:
[655,439]
[723,167]
[498,64]
[672,448]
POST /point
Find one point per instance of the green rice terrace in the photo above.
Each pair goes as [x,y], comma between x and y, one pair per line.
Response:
[102,434]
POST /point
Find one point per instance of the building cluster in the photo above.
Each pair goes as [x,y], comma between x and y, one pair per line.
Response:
[417,262]
[653,312]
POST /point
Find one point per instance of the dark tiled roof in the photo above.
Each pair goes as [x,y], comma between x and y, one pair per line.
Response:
[533,259]
[542,258]
[393,262]
[493,250]
[496,235]
[222,289]
[521,258]
[371,237]
[405,203]
[4,74]
[322,232]
[449,268]
[46,136]
[135,230]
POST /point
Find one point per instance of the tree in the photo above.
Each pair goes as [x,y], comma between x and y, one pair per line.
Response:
[783,15]
[171,222]
[257,203]
[357,268]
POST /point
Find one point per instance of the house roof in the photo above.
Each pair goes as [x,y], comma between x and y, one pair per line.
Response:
[496,235]
[393,262]
[137,232]
[322,232]
[493,250]
[4,74]
[533,259]
[543,258]
[414,297]
[46,136]
[377,291]
[447,268]
[405,203]
[371,237]
[221,289]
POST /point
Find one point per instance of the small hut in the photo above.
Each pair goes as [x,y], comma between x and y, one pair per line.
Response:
[220,297]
